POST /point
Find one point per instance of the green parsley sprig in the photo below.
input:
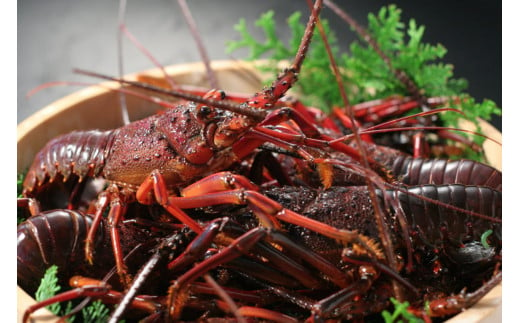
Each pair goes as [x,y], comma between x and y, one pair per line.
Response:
[20,212]
[95,312]
[363,69]
[315,87]
[48,288]
[400,313]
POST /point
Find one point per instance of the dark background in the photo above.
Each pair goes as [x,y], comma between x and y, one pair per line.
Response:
[55,36]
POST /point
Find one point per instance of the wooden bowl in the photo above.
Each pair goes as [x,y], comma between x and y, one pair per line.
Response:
[96,107]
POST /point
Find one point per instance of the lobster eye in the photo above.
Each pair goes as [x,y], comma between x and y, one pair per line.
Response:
[204,112]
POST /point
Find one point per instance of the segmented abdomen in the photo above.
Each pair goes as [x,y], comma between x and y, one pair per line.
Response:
[82,153]
[54,237]
[435,224]
[418,171]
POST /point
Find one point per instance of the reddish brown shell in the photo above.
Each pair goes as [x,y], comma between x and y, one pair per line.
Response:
[82,153]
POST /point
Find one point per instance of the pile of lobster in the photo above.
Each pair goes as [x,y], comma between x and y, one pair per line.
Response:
[257,208]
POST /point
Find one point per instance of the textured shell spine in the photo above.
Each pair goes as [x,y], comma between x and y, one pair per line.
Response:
[82,153]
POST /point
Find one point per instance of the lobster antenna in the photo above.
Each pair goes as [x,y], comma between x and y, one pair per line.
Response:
[244,109]
[156,100]
[381,224]
[307,36]
[225,297]
[289,76]
[271,95]
[213,82]
[399,74]
[149,55]
[122,97]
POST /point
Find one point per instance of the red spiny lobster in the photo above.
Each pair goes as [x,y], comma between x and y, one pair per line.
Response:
[169,150]
[450,259]
[209,137]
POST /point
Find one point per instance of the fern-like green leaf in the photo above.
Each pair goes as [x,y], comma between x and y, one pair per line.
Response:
[48,288]
[95,312]
[367,75]
[316,87]
[20,212]
[400,312]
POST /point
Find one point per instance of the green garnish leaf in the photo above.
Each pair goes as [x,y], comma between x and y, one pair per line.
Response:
[368,77]
[20,216]
[95,312]
[404,46]
[48,288]
[400,311]
[272,43]
[315,87]
[483,238]
[19,184]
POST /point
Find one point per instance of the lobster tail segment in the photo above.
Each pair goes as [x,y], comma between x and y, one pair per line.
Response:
[417,171]
[82,153]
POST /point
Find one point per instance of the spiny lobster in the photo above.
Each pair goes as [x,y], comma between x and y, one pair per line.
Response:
[172,149]
[445,260]
[207,137]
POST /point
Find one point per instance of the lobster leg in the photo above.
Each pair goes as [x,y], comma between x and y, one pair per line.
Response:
[238,247]
[117,200]
[198,246]
[168,246]
[114,217]
[335,275]
[296,276]
[30,204]
[101,205]
[317,116]
[260,313]
[277,259]
[177,292]
[349,123]
[373,112]
[255,297]
[86,291]
[156,183]
[376,110]
[213,191]
[223,183]
[267,160]
[281,263]
[454,304]
[325,307]
[87,287]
